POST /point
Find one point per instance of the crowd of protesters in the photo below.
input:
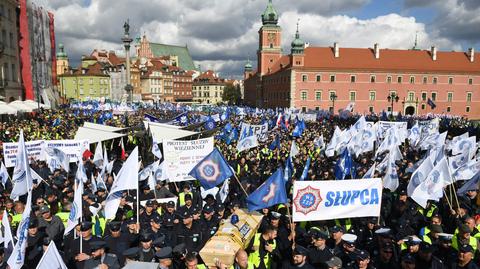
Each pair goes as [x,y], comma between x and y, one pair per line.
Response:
[171,235]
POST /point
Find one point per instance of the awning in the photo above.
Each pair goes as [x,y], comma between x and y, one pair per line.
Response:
[162,132]
[95,135]
[146,123]
[101,127]
[20,106]
[6,109]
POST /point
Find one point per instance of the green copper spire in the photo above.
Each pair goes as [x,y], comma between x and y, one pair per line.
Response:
[270,16]
[297,44]
[248,65]
[61,54]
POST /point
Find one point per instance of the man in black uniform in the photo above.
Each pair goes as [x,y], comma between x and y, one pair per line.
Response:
[147,215]
[208,223]
[425,259]
[465,258]
[170,221]
[188,205]
[117,241]
[299,260]
[146,253]
[319,253]
[156,230]
[130,255]
[99,258]
[189,233]
[385,259]
[34,250]
[75,258]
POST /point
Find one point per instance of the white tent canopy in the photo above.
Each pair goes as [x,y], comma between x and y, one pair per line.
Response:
[101,127]
[146,123]
[161,132]
[20,106]
[6,109]
[34,104]
[94,135]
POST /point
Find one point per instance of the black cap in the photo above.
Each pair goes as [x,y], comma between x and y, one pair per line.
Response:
[336,228]
[145,237]
[436,228]
[188,196]
[408,258]
[426,247]
[208,209]
[209,196]
[131,253]
[164,253]
[316,234]
[33,223]
[373,220]
[275,215]
[387,247]
[171,204]
[464,229]
[220,207]
[186,214]
[159,242]
[46,241]
[44,209]
[96,245]
[157,219]
[402,192]
[466,248]
[149,203]
[85,226]
[114,226]
[362,254]
[180,249]
[131,220]
[299,250]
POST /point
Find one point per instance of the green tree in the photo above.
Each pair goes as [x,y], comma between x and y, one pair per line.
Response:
[231,94]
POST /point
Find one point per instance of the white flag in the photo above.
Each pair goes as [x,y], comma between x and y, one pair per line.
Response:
[3,174]
[17,258]
[155,149]
[56,158]
[247,143]
[76,210]
[51,259]
[22,179]
[330,151]
[127,179]
[147,171]
[8,242]
[294,149]
[370,173]
[467,171]
[36,176]
[224,190]
[414,134]
[81,174]
[98,156]
[419,175]
[465,145]
[390,180]
[432,187]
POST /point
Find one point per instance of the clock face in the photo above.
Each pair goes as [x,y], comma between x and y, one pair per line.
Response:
[271,37]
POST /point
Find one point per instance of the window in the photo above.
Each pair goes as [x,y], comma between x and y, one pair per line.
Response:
[423,106]
[372,79]
[389,79]
[389,109]
[412,80]
[81,91]
[449,109]
[304,78]
[317,108]
[450,80]
[449,96]
[303,95]
[80,81]
[470,81]
[353,79]
[14,73]
[330,109]
[399,79]
[332,78]
[6,72]
[353,96]
[424,96]
[372,96]
[91,81]
[469,96]
[425,79]
[411,96]
[467,109]
[12,42]
[304,109]
[4,37]
[370,109]
[435,80]
[319,78]
[318,95]
[434,96]
[332,95]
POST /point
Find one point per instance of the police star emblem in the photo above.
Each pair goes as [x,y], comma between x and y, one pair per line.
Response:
[307,200]
[209,170]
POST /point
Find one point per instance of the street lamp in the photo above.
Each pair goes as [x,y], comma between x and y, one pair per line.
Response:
[393,97]
[333,97]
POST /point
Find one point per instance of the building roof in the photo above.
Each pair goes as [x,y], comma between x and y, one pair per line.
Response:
[363,59]
[185,60]
[209,77]
[95,69]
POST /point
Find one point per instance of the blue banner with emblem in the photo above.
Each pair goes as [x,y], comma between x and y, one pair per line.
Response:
[212,170]
[271,192]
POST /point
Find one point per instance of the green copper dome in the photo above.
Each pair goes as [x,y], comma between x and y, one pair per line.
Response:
[248,66]
[270,16]
[61,54]
[297,44]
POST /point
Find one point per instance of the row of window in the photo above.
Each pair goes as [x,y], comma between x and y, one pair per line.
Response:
[372,96]
[205,94]
[207,87]
[8,42]
[373,79]
[371,108]
[6,14]
[10,74]
[93,91]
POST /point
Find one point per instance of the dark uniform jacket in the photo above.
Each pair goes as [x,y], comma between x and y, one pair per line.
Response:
[109,259]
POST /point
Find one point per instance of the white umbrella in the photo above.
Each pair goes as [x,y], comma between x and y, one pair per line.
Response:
[20,106]
[6,109]
[34,104]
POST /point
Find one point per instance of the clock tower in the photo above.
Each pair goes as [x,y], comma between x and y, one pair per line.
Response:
[270,49]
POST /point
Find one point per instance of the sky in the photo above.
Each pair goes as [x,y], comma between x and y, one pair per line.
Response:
[222,34]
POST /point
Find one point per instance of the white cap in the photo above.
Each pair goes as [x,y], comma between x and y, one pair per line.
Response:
[382,231]
[349,238]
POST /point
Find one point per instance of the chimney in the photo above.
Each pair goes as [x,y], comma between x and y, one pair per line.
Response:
[471,54]
[433,51]
[336,50]
[376,49]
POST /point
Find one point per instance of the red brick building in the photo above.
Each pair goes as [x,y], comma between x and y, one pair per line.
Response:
[332,77]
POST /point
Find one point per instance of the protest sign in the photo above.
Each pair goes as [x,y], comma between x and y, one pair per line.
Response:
[182,156]
[261,131]
[336,199]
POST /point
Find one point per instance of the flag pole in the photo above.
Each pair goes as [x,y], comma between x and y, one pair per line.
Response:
[292,225]
[241,186]
[446,198]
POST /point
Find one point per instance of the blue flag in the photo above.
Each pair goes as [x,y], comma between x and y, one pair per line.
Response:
[305,170]
[151,118]
[210,124]
[345,166]
[212,170]
[275,143]
[228,127]
[288,169]
[271,192]
[232,136]
[431,103]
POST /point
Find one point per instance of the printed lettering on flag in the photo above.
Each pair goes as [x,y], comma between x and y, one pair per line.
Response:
[325,200]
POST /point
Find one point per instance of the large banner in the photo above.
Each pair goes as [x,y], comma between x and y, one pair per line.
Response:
[428,127]
[336,199]
[182,156]
[260,130]
[383,126]
[73,149]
